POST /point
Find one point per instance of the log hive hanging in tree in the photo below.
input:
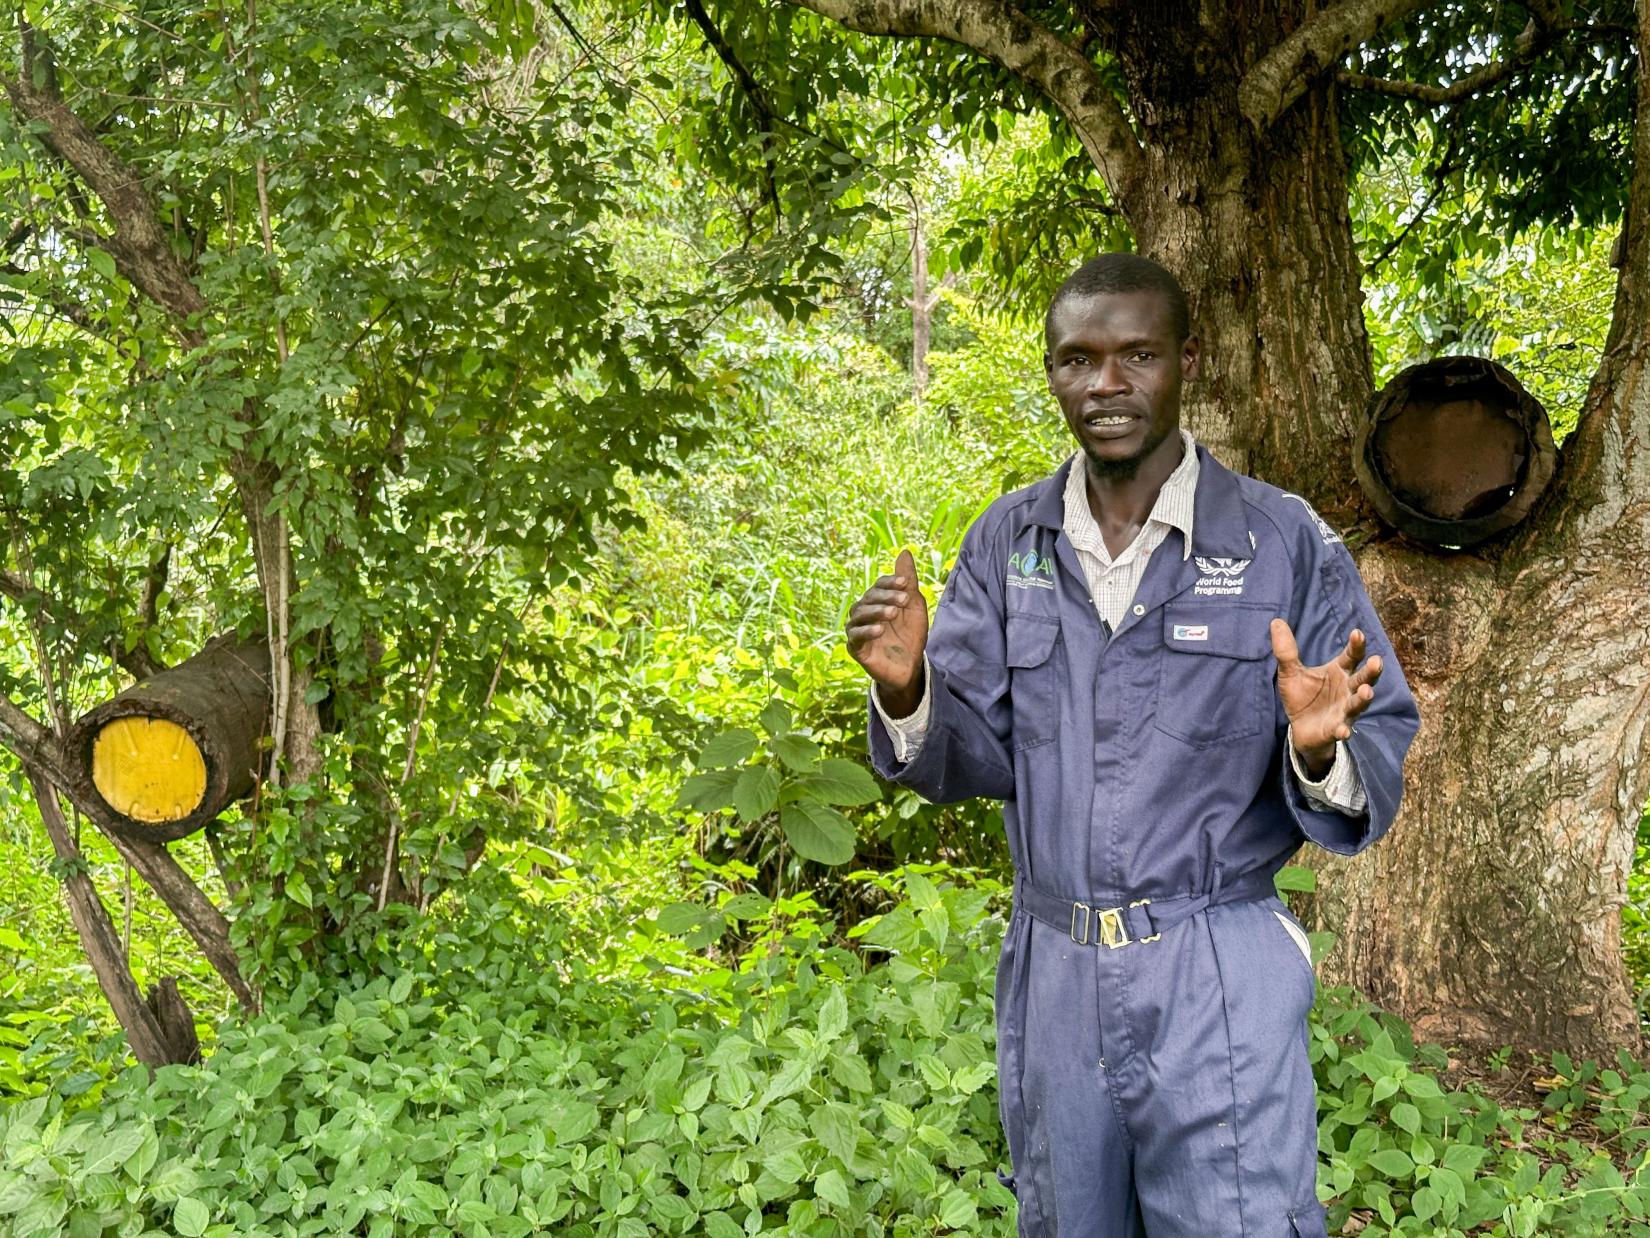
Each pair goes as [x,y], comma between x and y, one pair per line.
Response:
[1454,451]
[169,754]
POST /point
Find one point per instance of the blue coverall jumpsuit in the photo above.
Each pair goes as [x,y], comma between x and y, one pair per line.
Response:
[1160,1087]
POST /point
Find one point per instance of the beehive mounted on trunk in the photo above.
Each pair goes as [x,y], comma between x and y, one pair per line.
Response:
[1454,451]
[169,754]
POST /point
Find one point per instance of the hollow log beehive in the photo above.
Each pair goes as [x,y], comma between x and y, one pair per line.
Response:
[169,754]
[1454,451]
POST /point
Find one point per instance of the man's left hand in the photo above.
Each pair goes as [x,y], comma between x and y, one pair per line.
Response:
[1323,701]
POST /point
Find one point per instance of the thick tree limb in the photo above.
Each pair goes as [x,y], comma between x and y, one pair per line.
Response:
[154,1028]
[139,246]
[199,916]
[33,743]
[1030,51]
[1281,76]
[44,758]
[1531,41]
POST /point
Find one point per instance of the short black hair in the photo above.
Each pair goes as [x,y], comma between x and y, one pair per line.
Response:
[1122,272]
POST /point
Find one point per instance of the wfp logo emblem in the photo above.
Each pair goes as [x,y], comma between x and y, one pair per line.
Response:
[1221,577]
[1030,570]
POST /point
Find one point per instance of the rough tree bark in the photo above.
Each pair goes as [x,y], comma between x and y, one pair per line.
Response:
[1491,914]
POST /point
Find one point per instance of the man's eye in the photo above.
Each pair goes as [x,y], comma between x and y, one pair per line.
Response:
[1143,356]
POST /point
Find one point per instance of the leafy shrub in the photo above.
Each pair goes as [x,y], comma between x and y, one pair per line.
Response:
[508,1089]
[519,1078]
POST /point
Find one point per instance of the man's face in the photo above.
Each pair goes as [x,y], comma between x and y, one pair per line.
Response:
[1115,366]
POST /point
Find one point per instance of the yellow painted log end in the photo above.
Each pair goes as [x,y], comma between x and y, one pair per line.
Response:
[149,769]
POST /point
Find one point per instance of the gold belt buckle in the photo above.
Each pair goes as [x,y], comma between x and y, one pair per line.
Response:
[1110,929]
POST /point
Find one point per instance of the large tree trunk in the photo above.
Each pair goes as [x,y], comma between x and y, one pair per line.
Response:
[1491,913]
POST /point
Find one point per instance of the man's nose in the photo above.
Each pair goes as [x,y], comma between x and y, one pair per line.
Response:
[1106,378]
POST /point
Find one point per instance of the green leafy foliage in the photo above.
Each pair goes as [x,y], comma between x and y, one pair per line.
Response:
[511,1089]
[508,1082]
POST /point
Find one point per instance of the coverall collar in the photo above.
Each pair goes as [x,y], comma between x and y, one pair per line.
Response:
[1220,525]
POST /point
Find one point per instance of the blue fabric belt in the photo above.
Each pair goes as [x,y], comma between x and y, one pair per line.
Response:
[1133,920]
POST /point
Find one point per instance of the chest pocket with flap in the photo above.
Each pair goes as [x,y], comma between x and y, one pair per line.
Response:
[1216,676]
[1034,671]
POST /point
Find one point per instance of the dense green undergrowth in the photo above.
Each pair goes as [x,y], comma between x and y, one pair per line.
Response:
[511,1081]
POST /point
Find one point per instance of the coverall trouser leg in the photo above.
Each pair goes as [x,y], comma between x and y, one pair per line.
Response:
[1163,1089]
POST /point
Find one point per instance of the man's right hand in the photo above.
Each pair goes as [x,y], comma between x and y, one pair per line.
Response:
[887,630]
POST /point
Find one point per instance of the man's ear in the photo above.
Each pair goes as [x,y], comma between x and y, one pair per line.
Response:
[1191,353]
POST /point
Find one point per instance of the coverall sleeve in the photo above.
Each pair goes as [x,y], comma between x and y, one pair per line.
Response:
[964,753]
[1331,604]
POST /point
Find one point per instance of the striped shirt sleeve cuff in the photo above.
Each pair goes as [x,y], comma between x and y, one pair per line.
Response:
[907,733]
[1340,789]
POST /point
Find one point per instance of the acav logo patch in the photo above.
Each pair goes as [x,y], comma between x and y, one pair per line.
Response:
[1030,570]
[1221,577]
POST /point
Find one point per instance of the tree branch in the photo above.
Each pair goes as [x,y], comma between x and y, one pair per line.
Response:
[153,1043]
[32,742]
[1281,76]
[1030,51]
[753,92]
[1529,41]
[139,246]
[135,662]
[1607,456]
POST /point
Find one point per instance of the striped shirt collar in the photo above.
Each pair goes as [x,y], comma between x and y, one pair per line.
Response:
[1172,509]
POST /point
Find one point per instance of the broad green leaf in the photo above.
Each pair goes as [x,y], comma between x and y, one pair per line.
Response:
[1391,1163]
[729,748]
[833,1014]
[746,906]
[958,1210]
[757,792]
[775,718]
[798,752]
[1424,1203]
[837,1128]
[1295,877]
[836,781]
[679,918]
[191,1217]
[112,1150]
[708,792]
[818,833]
[831,1187]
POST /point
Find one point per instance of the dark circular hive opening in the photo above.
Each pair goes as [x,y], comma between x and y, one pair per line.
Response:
[1454,450]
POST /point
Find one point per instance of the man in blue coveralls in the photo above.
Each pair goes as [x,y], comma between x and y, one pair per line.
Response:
[1159,666]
